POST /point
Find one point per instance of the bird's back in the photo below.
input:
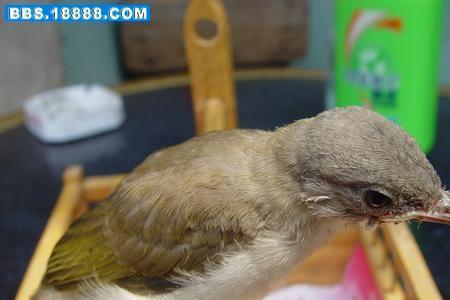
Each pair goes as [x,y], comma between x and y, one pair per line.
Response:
[176,210]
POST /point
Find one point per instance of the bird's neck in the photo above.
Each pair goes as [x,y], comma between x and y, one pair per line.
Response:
[286,193]
[288,143]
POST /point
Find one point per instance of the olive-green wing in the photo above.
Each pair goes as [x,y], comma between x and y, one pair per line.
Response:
[141,248]
[82,253]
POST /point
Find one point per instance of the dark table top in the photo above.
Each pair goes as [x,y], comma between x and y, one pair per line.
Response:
[30,171]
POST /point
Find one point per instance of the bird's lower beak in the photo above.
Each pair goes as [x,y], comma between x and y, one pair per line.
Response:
[440,213]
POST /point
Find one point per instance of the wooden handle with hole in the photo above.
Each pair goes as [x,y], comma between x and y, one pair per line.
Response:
[210,66]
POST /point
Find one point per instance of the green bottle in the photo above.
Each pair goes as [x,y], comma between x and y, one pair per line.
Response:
[386,58]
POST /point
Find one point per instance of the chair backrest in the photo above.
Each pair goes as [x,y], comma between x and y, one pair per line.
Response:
[265,32]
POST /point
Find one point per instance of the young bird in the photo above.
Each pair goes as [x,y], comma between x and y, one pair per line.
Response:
[225,215]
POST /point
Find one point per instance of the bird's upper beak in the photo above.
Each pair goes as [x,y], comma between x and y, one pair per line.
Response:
[440,213]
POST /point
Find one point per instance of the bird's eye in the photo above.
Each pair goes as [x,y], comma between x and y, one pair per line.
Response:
[376,199]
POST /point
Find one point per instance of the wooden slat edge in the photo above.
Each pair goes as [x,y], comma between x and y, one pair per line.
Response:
[154,83]
[60,219]
[444,90]
[98,188]
[409,261]
[10,121]
[382,268]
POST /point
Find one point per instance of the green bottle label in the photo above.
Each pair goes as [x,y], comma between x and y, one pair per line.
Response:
[370,68]
[386,58]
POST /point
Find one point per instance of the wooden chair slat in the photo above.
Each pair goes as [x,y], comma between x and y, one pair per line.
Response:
[60,219]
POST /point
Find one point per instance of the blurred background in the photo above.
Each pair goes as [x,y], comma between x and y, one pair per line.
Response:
[298,51]
[39,57]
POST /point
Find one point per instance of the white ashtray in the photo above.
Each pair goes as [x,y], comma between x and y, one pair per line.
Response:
[74,112]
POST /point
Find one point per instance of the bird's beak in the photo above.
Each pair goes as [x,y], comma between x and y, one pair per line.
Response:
[440,213]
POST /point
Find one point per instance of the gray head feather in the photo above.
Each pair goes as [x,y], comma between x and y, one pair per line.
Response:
[343,153]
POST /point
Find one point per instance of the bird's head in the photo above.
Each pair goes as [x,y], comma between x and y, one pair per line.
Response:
[356,165]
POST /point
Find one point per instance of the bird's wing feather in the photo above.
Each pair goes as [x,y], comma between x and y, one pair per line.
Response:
[82,254]
[166,225]
[95,248]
